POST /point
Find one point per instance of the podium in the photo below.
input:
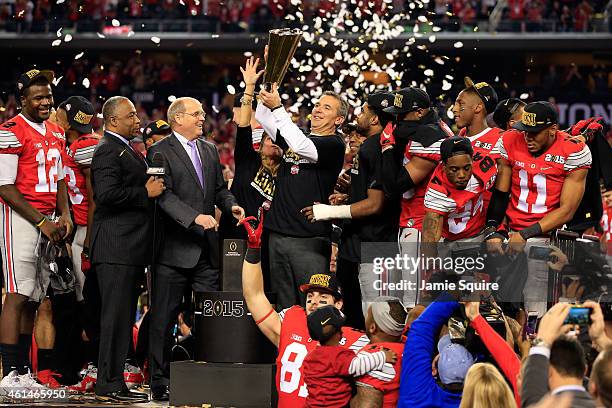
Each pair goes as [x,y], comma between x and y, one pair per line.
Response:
[234,362]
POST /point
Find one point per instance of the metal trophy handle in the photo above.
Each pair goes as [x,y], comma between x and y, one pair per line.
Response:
[282,44]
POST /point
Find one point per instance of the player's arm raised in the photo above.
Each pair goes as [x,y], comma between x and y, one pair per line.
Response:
[263,313]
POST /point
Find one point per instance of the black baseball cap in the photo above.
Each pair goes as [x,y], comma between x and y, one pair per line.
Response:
[322,317]
[485,91]
[455,145]
[324,282]
[504,111]
[26,79]
[380,100]
[537,116]
[158,127]
[407,100]
[80,113]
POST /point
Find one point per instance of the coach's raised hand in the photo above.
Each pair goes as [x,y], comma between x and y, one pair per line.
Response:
[272,99]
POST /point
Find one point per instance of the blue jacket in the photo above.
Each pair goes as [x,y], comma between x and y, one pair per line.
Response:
[418,388]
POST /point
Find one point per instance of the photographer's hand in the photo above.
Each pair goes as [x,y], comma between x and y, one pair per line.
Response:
[472,310]
[597,330]
[551,325]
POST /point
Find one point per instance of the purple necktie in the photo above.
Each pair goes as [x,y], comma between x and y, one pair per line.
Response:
[197,164]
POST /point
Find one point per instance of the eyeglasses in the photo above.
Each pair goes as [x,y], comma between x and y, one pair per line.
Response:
[196,114]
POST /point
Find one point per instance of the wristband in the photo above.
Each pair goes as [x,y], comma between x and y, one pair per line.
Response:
[41,222]
[531,231]
[253,255]
[248,94]
[324,212]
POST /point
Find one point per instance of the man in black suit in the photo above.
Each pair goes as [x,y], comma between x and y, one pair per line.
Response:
[120,240]
[556,363]
[188,253]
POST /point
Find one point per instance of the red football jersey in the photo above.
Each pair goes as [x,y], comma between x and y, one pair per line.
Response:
[40,164]
[537,181]
[386,380]
[76,157]
[293,347]
[463,210]
[326,371]
[412,200]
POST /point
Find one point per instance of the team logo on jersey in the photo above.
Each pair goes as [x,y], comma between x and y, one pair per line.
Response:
[529,119]
[295,169]
[554,158]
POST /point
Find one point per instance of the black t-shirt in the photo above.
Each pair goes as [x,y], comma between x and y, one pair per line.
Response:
[300,183]
[366,173]
[252,185]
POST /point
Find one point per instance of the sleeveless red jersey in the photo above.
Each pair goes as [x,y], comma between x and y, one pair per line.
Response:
[412,200]
[463,210]
[386,380]
[294,344]
[537,181]
[76,157]
[40,164]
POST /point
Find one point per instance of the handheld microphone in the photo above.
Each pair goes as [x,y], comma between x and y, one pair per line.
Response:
[158,165]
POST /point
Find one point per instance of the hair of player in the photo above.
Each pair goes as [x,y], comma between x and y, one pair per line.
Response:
[601,375]
[343,108]
[567,357]
[485,387]
[41,80]
[397,311]
[109,109]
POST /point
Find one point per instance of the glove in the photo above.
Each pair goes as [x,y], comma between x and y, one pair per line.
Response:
[588,128]
[254,229]
[386,137]
[85,263]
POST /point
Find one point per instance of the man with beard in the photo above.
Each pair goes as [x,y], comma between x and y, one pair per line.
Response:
[360,209]
[33,191]
[411,151]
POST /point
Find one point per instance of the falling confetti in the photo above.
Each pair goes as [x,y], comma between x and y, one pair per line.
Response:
[100,35]
[458,44]
[115,22]
[524,95]
[59,32]
[86,83]
[67,38]
[56,43]
[156,40]
[79,55]
[171,98]
[231,90]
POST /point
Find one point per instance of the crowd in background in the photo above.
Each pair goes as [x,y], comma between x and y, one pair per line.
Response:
[261,15]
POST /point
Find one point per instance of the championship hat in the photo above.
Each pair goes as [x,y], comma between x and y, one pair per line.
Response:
[484,91]
[455,145]
[80,113]
[324,282]
[537,116]
[407,100]
[26,79]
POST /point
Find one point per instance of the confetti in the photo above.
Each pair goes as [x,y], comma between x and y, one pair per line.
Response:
[86,83]
[429,72]
[156,40]
[56,43]
[231,90]
[67,38]
[524,95]
[115,22]
[100,35]
[458,44]
[79,55]
[171,98]
[59,32]
[446,85]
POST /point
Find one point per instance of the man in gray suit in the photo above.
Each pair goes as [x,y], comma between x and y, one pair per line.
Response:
[188,254]
[556,363]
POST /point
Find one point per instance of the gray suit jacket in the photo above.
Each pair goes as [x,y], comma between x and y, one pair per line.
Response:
[182,241]
[535,384]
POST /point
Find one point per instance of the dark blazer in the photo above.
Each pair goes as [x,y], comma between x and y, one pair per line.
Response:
[121,229]
[184,199]
[535,384]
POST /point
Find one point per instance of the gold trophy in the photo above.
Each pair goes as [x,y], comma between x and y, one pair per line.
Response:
[282,44]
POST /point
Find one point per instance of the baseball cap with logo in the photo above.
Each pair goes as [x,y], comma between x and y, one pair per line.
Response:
[485,91]
[537,116]
[504,111]
[324,282]
[79,112]
[322,317]
[157,127]
[26,79]
[454,362]
[408,100]
[455,145]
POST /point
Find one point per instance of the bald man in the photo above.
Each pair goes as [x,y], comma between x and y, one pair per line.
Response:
[188,254]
